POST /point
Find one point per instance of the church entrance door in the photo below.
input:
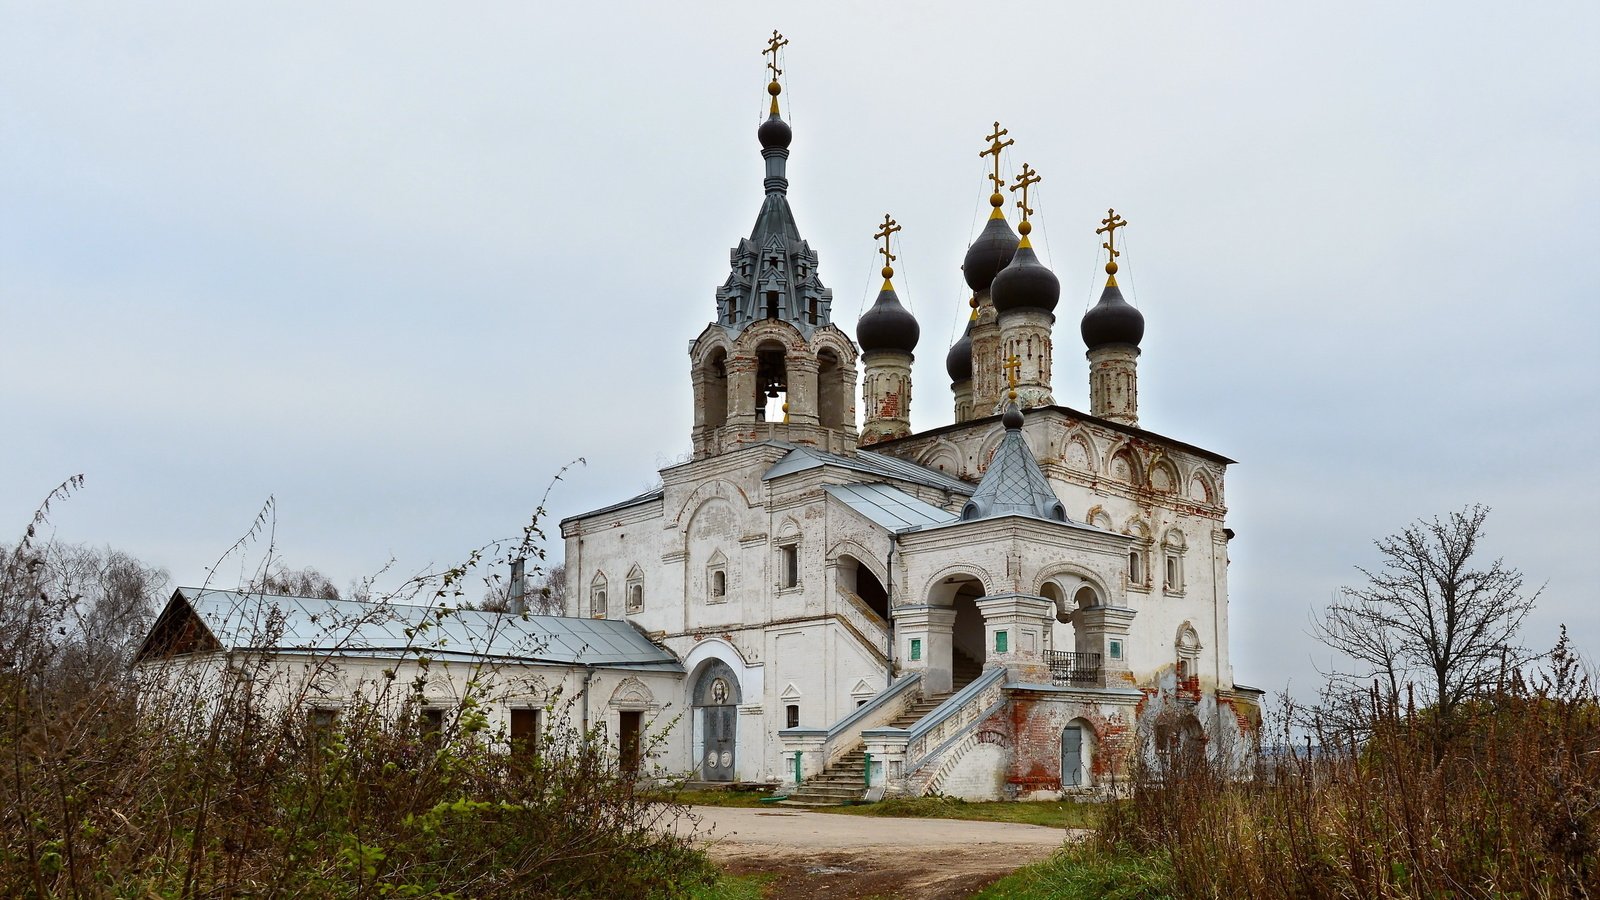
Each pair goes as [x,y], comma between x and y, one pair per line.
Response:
[1072,757]
[716,701]
[719,742]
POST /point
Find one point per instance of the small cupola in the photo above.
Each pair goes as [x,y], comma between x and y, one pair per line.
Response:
[1113,320]
[887,325]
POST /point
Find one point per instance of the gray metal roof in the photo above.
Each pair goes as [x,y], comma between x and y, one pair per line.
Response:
[802,458]
[1013,485]
[646,497]
[265,622]
[889,507]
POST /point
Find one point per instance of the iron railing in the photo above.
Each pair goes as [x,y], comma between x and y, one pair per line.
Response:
[1073,668]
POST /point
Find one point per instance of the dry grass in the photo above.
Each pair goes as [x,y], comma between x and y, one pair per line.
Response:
[1502,801]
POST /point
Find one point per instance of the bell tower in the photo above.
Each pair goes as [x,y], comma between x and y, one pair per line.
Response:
[773,366]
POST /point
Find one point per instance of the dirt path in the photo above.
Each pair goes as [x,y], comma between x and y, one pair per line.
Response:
[827,855]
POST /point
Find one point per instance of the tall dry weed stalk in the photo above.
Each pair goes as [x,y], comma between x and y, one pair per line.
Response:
[1501,801]
[113,784]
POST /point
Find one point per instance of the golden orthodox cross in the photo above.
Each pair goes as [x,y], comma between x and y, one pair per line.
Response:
[889,227]
[995,146]
[778,41]
[1012,366]
[1108,227]
[1028,177]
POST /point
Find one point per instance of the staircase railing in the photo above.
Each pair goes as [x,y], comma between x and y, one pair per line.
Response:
[928,737]
[864,622]
[900,752]
[808,751]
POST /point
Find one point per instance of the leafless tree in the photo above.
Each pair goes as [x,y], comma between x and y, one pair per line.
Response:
[549,594]
[307,582]
[109,598]
[546,594]
[1429,617]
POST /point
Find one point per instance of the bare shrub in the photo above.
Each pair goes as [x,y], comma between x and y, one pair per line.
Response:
[183,782]
[1511,807]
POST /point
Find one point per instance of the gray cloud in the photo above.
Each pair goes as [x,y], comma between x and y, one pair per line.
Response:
[395,266]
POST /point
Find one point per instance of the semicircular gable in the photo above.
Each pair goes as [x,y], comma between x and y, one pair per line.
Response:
[941,456]
[719,489]
[1077,452]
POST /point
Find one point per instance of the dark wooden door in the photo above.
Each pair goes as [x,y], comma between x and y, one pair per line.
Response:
[628,740]
[718,752]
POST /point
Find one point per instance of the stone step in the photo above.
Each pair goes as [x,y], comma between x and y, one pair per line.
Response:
[828,791]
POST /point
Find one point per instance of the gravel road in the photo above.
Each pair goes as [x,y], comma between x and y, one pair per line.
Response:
[827,855]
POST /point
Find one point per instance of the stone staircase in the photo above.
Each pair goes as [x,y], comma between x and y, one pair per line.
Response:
[845,781]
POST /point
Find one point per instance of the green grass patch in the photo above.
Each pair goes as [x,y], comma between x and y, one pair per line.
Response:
[735,887]
[1052,813]
[714,797]
[1083,871]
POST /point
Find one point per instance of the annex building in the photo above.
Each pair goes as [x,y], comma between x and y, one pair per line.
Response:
[1012,605]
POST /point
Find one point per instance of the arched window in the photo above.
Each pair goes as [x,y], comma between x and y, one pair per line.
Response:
[635,590]
[1173,548]
[597,596]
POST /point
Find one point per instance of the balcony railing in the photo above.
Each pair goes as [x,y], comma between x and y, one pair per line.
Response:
[1068,668]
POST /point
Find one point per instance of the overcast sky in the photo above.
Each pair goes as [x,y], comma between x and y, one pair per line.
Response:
[394,264]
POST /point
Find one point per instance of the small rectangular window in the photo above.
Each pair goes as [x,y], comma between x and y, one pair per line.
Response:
[772,304]
[1116,649]
[791,715]
[719,584]
[1000,641]
[916,649]
[791,566]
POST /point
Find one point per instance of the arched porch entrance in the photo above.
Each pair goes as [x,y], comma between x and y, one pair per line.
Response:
[716,702]
[963,654]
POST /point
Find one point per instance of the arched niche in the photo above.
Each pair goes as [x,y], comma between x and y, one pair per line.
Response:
[1077,453]
[1125,467]
[1163,477]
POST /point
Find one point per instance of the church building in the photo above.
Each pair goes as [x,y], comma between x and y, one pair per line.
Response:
[1017,604]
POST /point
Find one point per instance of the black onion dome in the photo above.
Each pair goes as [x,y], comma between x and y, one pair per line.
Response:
[774,133]
[1112,321]
[990,253]
[1025,284]
[888,325]
[958,362]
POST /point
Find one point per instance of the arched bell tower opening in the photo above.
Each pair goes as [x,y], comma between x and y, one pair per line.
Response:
[772,382]
[831,395]
[714,378]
